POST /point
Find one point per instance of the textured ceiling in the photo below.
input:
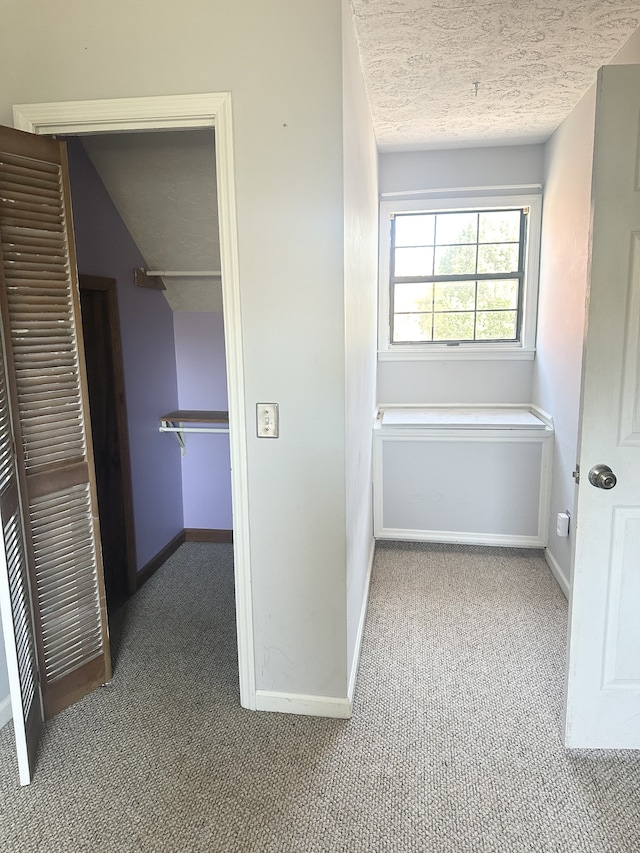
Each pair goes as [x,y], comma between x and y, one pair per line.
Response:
[164,186]
[533,61]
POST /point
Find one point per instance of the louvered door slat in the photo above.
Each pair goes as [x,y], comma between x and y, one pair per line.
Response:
[46,395]
[16,189]
[44,335]
[39,213]
[16,175]
[46,305]
[15,163]
[25,285]
[22,220]
[16,562]
[14,193]
[59,592]
[15,600]
[16,250]
[58,563]
[40,298]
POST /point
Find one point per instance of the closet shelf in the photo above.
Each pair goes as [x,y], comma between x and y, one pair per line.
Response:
[176,422]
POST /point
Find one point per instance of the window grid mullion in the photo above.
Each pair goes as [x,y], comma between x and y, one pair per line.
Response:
[392,282]
[482,276]
[476,278]
[475,313]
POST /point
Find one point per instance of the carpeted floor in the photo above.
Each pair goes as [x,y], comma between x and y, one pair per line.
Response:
[454,745]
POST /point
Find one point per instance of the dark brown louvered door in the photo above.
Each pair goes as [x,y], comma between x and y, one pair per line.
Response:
[15,600]
[41,321]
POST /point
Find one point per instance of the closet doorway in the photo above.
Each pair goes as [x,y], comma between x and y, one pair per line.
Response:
[146,215]
[213,111]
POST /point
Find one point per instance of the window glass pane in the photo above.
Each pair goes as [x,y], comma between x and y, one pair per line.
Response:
[455,260]
[498,257]
[496,325]
[455,296]
[456,228]
[453,327]
[500,226]
[412,296]
[415,230]
[414,262]
[496,295]
[456,248]
[411,327]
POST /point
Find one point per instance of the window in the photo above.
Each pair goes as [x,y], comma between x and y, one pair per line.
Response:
[459,276]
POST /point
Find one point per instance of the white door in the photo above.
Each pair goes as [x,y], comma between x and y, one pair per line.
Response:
[603,690]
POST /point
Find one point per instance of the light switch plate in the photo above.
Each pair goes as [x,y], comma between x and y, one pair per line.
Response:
[267,420]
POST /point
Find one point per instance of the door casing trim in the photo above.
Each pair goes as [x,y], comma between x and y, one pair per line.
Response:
[182,112]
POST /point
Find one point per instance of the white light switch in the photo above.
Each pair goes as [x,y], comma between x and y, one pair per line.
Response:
[267,420]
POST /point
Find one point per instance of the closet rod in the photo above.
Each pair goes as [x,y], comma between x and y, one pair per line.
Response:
[185,273]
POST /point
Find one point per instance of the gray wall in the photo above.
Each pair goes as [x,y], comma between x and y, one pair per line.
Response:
[561,312]
[461,167]
[563,293]
[360,286]
[452,380]
[283,64]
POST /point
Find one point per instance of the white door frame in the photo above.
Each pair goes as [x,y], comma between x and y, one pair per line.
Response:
[181,112]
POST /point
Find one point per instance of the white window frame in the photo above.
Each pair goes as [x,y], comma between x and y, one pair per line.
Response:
[486,350]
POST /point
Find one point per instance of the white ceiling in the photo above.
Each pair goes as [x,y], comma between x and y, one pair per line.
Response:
[164,187]
[533,60]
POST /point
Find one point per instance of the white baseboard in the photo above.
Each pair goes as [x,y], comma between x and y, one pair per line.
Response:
[5,711]
[337,707]
[557,572]
[355,663]
[460,538]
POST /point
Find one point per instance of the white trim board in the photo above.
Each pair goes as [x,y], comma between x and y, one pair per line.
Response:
[180,112]
[355,663]
[402,534]
[525,347]
[419,435]
[557,572]
[5,711]
[336,707]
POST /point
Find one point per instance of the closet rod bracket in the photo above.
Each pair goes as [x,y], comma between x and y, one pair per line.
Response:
[175,422]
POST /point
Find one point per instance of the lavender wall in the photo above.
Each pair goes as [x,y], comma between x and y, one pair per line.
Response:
[105,247]
[202,384]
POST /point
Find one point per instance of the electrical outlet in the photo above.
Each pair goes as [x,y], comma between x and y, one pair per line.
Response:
[267,420]
[562,525]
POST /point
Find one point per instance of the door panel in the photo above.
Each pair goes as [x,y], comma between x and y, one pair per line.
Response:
[43,340]
[603,693]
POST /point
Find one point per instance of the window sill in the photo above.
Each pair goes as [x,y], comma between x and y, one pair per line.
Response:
[458,354]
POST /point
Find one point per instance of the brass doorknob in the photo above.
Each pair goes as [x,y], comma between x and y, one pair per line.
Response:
[602,477]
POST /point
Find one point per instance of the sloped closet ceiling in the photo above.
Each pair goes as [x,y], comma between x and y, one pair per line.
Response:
[532,59]
[164,187]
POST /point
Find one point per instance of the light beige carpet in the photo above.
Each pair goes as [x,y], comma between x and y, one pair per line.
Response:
[454,746]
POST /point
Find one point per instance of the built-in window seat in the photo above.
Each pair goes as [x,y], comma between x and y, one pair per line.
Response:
[468,474]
